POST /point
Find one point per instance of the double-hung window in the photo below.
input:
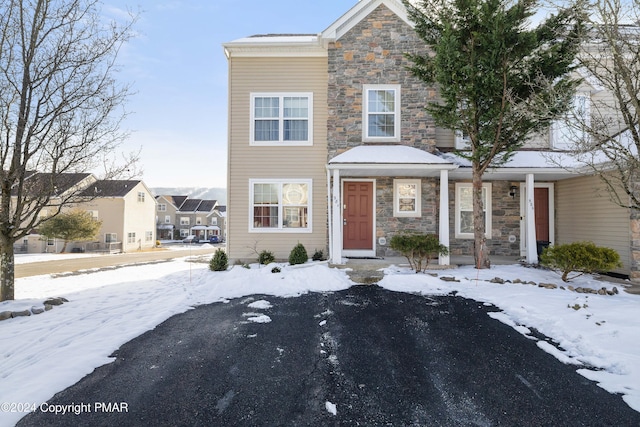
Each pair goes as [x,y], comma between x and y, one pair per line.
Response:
[570,130]
[280,205]
[406,198]
[381,113]
[281,119]
[464,210]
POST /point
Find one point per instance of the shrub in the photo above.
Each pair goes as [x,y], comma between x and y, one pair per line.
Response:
[582,257]
[276,270]
[418,248]
[298,255]
[219,261]
[266,257]
[318,255]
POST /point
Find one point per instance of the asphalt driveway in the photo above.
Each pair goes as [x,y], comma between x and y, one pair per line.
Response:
[365,356]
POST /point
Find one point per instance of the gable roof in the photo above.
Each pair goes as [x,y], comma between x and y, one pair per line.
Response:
[57,184]
[111,188]
[357,13]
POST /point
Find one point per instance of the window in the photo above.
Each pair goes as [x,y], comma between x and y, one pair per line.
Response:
[570,130]
[281,119]
[214,221]
[198,221]
[280,205]
[94,214]
[162,207]
[381,113]
[167,219]
[407,197]
[464,210]
[131,237]
[51,241]
[184,220]
[110,237]
[184,232]
[141,196]
[463,142]
[148,236]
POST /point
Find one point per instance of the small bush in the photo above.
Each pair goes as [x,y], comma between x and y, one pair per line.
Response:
[276,270]
[582,257]
[418,248]
[298,255]
[266,257]
[318,255]
[219,261]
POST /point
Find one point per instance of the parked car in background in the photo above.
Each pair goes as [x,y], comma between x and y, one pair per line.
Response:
[215,239]
[191,239]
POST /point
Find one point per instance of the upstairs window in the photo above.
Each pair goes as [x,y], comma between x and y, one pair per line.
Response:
[141,196]
[162,207]
[570,130]
[381,113]
[281,119]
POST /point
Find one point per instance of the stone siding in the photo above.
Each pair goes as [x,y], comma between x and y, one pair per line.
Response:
[373,52]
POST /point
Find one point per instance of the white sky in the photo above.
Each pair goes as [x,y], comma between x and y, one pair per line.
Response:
[178,70]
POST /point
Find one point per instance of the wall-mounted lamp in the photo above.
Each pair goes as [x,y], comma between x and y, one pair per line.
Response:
[512,191]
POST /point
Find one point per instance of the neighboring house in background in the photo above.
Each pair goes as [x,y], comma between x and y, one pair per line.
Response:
[125,207]
[178,217]
[340,154]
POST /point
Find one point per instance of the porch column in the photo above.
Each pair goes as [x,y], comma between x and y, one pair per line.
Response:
[336,202]
[532,246]
[443,226]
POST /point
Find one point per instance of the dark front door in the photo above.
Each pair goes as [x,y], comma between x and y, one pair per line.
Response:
[541,203]
[358,215]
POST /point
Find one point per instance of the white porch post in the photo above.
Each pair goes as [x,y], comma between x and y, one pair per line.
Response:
[443,226]
[336,203]
[532,247]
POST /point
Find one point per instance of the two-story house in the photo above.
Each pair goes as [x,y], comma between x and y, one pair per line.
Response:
[167,208]
[330,146]
[180,216]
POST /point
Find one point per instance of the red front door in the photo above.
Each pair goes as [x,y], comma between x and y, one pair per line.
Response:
[541,203]
[358,215]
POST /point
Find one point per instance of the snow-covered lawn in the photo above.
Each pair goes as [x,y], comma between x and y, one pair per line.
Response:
[43,354]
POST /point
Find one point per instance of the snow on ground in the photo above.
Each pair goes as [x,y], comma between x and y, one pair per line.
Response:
[46,353]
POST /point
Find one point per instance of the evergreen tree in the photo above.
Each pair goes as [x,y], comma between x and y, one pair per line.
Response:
[71,226]
[500,79]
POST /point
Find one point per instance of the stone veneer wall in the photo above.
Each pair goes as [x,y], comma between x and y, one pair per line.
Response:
[373,53]
[505,222]
[387,225]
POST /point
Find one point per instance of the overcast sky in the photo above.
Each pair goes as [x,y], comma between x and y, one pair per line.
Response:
[178,70]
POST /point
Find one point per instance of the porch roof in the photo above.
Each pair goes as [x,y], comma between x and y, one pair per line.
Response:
[389,160]
[205,227]
[545,165]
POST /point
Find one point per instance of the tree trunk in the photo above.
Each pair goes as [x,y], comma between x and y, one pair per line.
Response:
[7,272]
[480,250]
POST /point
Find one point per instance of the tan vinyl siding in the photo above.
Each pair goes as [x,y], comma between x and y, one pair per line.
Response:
[585,212]
[249,75]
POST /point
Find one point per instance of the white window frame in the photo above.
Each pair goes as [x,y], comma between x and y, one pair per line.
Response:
[185,220]
[140,196]
[94,214]
[458,209]
[184,232]
[148,236]
[563,134]
[131,237]
[366,89]
[397,185]
[462,141]
[110,237]
[281,118]
[198,220]
[214,220]
[167,219]
[162,207]
[281,207]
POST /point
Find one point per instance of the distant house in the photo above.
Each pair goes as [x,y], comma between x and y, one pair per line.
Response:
[179,216]
[125,207]
[330,146]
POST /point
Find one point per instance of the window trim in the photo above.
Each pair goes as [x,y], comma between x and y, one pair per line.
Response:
[417,213]
[141,197]
[281,142]
[281,207]
[162,207]
[365,113]
[488,209]
[560,126]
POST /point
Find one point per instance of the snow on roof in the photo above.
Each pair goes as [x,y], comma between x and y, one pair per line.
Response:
[276,38]
[527,160]
[388,154]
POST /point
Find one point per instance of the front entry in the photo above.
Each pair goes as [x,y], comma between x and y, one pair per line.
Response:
[543,200]
[357,215]
[541,206]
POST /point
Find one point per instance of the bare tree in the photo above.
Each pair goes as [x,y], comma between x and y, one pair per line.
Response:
[60,111]
[606,138]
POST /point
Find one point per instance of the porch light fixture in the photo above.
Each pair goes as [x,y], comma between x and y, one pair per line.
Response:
[512,191]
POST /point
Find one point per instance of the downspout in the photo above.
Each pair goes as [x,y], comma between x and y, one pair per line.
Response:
[329,212]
